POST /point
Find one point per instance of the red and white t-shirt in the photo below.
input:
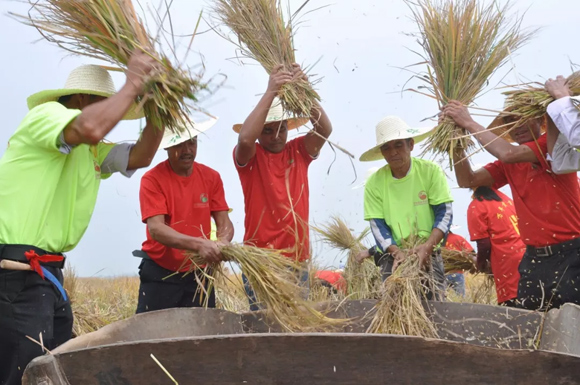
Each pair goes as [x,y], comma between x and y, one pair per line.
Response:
[276,198]
[547,205]
[457,242]
[186,203]
[498,222]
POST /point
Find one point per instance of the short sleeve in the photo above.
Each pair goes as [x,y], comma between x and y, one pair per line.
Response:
[151,198]
[44,124]
[248,165]
[101,151]
[299,146]
[218,196]
[540,149]
[439,191]
[497,172]
[477,221]
[373,199]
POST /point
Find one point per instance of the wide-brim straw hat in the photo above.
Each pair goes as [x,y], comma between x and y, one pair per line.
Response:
[393,128]
[173,138]
[499,127]
[86,79]
[277,114]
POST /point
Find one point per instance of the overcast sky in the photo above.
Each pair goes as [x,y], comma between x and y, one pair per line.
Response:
[359,45]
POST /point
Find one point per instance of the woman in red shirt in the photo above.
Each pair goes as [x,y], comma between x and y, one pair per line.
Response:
[493,224]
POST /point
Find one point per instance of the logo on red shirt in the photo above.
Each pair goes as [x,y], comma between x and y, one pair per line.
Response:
[203,198]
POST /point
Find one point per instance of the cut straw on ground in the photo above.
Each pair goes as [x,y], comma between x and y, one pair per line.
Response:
[274,278]
[111,30]
[262,34]
[464,43]
[363,279]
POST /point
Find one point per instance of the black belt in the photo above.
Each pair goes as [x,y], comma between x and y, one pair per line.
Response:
[547,251]
[16,253]
[141,254]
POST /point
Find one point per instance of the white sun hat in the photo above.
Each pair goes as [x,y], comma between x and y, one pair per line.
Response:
[277,114]
[86,79]
[173,138]
[393,128]
[368,174]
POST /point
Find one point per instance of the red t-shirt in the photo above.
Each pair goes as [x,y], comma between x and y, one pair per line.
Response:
[498,222]
[334,278]
[186,203]
[268,180]
[457,242]
[547,205]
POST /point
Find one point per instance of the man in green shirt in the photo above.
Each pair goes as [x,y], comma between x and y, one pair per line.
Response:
[407,197]
[49,179]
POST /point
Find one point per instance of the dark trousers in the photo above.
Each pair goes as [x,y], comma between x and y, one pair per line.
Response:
[436,288]
[157,293]
[549,282]
[29,306]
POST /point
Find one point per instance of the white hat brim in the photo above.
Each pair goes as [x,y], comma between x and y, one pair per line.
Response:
[46,96]
[293,123]
[375,153]
[172,139]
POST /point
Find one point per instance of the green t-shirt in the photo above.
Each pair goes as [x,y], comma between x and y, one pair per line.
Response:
[405,204]
[47,197]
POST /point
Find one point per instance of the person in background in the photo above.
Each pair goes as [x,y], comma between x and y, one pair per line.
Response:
[50,176]
[456,280]
[274,173]
[179,197]
[405,198]
[493,224]
[547,205]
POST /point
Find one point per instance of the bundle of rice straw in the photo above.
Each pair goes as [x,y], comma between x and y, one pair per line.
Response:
[457,260]
[229,292]
[481,289]
[465,42]
[400,308]
[363,279]
[263,35]
[530,101]
[110,30]
[274,280]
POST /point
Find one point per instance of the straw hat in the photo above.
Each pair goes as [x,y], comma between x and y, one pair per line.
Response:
[86,79]
[499,127]
[277,114]
[393,128]
[171,138]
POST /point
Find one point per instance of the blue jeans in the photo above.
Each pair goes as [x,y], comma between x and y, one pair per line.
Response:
[456,281]
[254,306]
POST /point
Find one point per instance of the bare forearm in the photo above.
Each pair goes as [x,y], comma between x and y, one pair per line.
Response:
[434,239]
[495,145]
[143,152]
[320,120]
[174,239]
[254,123]
[463,171]
[98,119]
[225,232]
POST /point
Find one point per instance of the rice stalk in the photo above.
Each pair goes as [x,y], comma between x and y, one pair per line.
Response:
[111,30]
[400,308]
[229,292]
[262,34]
[363,279]
[465,42]
[274,280]
[481,289]
[454,260]
[530,102]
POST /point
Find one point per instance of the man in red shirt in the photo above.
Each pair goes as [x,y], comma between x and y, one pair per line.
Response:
[274,172]
[547,205]
[456,280]
[178,199]
[493,224]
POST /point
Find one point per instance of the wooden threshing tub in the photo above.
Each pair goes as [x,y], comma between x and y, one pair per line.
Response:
[480,345]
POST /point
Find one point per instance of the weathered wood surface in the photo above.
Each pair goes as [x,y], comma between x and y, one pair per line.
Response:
[312,359]
[170,323]
[561,330]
